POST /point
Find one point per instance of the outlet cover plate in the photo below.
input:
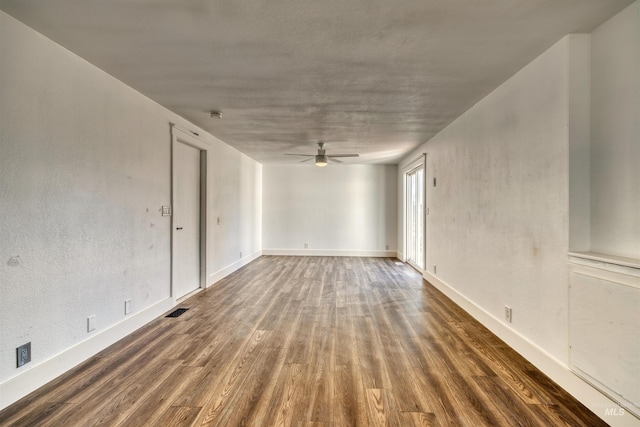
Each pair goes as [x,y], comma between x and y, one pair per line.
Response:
[507,313]
[23,354]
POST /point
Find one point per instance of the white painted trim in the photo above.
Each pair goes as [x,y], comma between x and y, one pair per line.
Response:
[38,375]
[179,135]
[189,135]
[400,256]
[414,164]
[329,252]
[559,372]
[225,271]
[421,160]
[630,266]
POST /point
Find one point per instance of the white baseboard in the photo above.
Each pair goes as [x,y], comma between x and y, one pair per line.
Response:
[400,256]
[329,252]
[38,375]
[225,271]
[559,372]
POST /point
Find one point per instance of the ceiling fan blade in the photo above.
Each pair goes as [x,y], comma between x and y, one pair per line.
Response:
[331,159]
[344,155]
[300,155]
[306,160]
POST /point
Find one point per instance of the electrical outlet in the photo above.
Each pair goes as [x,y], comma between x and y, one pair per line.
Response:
[240,254]
[386,247]
[507,313]
[91,323]
[127,306]
[306,246]
[23,354]
[435,269]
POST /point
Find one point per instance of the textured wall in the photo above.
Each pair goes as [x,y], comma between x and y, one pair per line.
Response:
[337,208]
[615,140]
[236,198]
[507,171]
[498,223]
[84,170]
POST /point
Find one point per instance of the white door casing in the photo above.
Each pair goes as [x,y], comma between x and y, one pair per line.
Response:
[188,230]
[415,213]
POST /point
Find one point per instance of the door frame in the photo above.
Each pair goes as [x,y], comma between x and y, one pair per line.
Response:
[182,136]
[421,161]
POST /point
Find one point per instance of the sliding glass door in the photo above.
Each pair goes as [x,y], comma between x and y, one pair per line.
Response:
[415,217]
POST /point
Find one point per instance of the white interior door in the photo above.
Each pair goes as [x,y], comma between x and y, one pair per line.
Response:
[186,219]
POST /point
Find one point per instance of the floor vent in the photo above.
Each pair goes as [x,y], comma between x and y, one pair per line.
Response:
[178,312]
[399,263]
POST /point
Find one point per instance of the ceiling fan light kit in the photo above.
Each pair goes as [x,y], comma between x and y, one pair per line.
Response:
[321,160]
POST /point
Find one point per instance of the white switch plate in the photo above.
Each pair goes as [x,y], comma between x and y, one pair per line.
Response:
[127,306]
[507,313]
[91,323]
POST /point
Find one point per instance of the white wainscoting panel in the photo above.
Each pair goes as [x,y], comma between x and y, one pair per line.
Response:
[604,328]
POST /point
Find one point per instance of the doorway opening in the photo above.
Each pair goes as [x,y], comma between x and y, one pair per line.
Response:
[415,218]
[188,222]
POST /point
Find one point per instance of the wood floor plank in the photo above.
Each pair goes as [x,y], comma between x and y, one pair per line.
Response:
[373,370]
[177,416]
[198,394]
[262,410]
[418,419]
[245,402]
[343,395]
[377,410]
[158,401]
[307,341]
[216,407]
[438,399]
[34,418]
[505,407]
[288,409]
[320,380]
[381,408]
[103,400]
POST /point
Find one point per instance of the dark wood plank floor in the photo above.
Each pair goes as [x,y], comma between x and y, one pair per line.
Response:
[307,341]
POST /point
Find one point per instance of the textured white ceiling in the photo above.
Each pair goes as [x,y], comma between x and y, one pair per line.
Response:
[368,76]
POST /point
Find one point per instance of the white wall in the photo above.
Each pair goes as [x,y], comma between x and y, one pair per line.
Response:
[236,198]
[499,228]
[615,141]
[84,169]
[498,222]
[339,209]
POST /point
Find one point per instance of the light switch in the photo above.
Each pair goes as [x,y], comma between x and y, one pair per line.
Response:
[91,323]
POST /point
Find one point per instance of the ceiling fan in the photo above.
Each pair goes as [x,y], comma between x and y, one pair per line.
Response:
[322,158]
